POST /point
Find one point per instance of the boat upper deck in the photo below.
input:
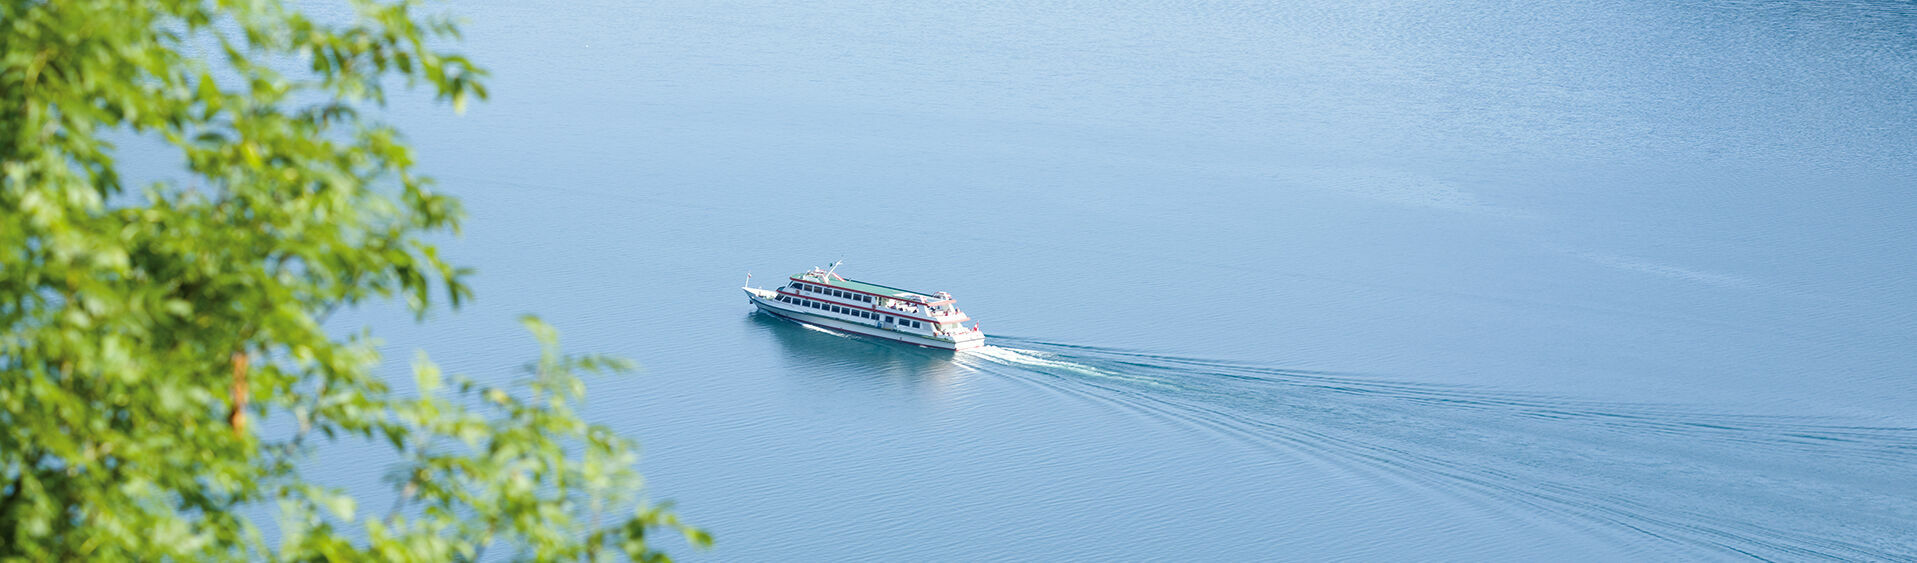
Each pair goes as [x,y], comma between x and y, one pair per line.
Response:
[856,285]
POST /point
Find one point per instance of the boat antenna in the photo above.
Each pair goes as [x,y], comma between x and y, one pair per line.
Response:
[835,267]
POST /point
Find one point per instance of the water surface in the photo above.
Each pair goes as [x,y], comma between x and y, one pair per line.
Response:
[1477,280]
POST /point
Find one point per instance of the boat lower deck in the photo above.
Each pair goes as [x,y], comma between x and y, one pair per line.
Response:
[763,299]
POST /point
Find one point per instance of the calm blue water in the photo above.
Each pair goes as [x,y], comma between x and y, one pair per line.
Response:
[1481,280]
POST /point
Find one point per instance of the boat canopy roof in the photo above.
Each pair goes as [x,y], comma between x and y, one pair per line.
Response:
[823,278]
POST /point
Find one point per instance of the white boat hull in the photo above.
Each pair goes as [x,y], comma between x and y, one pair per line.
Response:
[764,299]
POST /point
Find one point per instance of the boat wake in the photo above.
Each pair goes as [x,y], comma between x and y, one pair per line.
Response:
[1705,482]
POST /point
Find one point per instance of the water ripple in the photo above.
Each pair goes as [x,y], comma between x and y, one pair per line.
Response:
[1723,483]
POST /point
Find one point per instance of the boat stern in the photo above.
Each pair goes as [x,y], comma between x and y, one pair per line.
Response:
[969,340]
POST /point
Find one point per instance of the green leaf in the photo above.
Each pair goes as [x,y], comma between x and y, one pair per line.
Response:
[342,506]
[425,374]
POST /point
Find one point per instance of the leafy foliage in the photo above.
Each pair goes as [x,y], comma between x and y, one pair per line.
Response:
[145,326]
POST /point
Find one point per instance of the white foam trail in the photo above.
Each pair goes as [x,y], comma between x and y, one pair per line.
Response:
[1043,360]
[1716,483]
[808,326]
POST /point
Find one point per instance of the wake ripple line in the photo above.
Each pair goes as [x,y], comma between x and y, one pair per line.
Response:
[1224,397]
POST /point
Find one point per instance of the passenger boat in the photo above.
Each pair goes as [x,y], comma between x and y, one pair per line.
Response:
[822,298]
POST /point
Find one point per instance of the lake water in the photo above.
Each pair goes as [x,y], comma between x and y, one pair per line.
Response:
[1480,280]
